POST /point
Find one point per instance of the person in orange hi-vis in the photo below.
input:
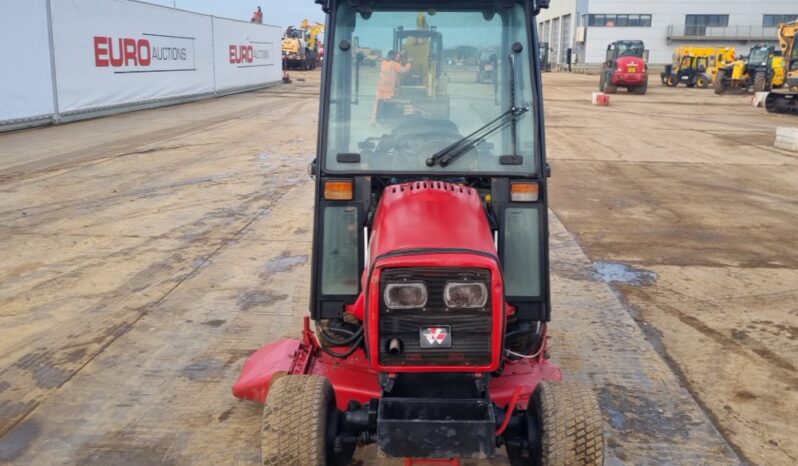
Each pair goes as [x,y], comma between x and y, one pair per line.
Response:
[257,16]
[390,70]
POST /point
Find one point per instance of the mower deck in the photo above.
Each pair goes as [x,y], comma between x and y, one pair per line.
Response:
[353,380]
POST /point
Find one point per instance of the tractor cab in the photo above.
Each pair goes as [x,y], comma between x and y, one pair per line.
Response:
[625,66]
[487,65]
[430,291]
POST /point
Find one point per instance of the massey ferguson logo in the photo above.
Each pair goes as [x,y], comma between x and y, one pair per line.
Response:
[251,55]
[436,337]
[150,53]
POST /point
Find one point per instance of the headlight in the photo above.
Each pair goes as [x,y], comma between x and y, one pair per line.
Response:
[405,295]
[465,295]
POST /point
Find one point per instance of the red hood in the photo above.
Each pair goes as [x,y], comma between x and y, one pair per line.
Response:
[430,215]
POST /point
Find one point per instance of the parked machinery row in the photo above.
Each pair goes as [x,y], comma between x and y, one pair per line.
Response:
[302,48]
[766,68]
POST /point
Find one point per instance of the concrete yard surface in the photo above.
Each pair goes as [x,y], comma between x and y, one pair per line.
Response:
[687,209]
[146,255]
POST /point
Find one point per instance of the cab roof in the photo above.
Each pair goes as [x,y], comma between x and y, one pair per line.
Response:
[325,4]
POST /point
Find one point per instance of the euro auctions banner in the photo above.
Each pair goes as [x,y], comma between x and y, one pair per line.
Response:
[115,52]
[246,54]
[26,87]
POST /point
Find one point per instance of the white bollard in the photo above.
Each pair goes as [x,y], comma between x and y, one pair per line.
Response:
[787,138]
[758,100]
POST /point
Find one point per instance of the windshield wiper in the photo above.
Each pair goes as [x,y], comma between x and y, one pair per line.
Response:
[449,153]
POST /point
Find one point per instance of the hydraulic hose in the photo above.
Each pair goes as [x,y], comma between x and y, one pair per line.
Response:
[355,339]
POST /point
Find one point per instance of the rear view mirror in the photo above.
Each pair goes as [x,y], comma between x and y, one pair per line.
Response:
[312,169]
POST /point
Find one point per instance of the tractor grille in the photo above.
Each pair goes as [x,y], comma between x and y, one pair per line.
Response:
[470,329]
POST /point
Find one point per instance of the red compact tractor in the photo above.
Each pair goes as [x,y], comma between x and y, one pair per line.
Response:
[430,302]
[625,67]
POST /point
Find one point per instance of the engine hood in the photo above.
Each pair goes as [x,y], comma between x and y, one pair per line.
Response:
[430,216]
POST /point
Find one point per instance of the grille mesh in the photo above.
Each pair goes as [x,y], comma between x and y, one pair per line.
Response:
[470,328]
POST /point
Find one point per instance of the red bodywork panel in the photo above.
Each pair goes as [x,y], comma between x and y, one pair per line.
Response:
[430,215]
[430,224]
[420,224]
[629,71]
[459,260]
[353,379]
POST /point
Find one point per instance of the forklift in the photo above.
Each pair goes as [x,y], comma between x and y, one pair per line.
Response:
[430,295]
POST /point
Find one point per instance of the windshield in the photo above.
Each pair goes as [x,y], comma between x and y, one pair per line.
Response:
[759,55]
[631,49]
[428,90]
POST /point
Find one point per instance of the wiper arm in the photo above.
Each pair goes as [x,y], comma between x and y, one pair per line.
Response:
[451,152]
[446,155]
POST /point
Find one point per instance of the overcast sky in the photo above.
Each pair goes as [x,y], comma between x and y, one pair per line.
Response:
[278,12]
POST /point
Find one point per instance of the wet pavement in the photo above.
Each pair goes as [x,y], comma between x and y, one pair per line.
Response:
[146,264]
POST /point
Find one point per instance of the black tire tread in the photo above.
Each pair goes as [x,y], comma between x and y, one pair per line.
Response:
[719,85]
[573,429]
[760,82]
[293,431]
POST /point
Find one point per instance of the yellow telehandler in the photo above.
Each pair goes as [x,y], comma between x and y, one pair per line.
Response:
[761,71]
[696,66]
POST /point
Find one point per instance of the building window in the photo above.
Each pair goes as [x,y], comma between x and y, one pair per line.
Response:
[546,28]
[634,21]
[565,39]
[696,25]
[555,40]
[772,21]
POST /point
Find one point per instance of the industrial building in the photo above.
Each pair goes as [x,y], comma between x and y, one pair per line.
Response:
[586,27]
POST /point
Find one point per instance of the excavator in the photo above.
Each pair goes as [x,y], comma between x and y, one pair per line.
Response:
[786,101]
[425,84]
[301,46]
[314,33]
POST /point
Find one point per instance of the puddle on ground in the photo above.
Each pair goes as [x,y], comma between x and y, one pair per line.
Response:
[615,272]
[285,262]
[267,161]
[248,300]
[200,263]
[203,370]
[17,440]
